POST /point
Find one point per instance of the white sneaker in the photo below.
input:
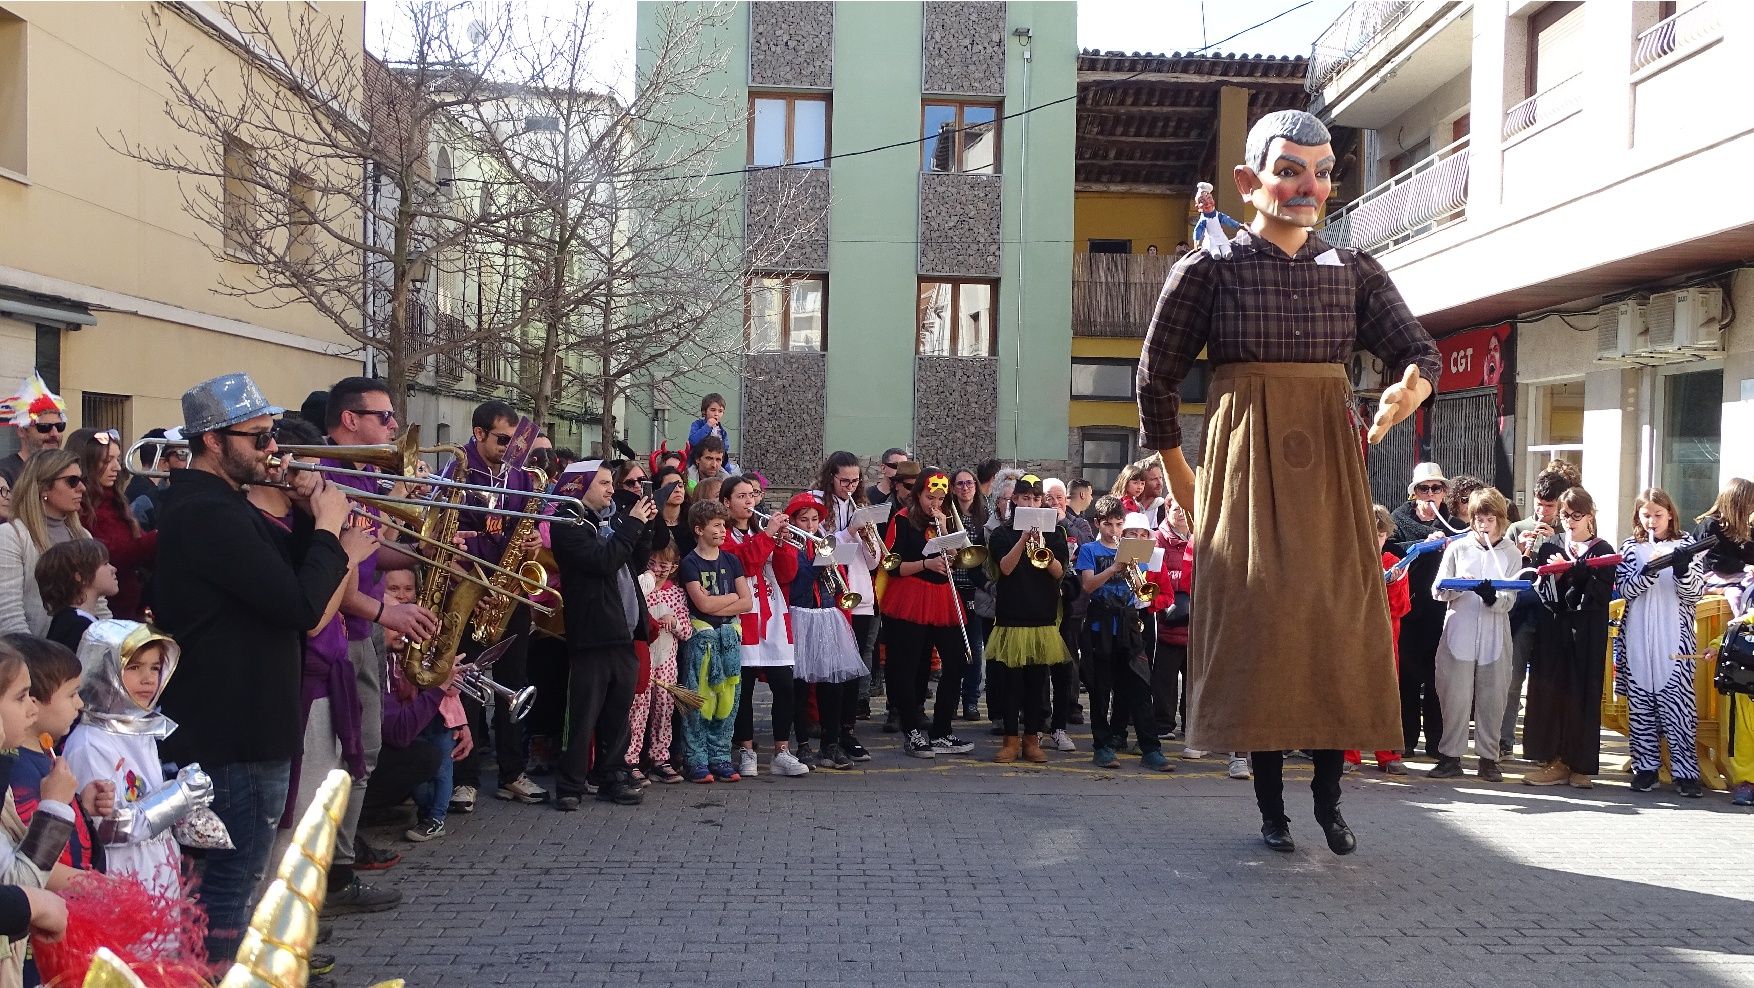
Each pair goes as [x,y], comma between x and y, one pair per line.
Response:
[746,762]
[784,763]
[1239,767]
[1194,753]
[1062,741]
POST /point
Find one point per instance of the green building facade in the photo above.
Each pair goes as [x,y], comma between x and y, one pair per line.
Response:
[921,296]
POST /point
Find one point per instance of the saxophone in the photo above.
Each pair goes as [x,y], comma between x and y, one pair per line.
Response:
[428,664]
[494,613]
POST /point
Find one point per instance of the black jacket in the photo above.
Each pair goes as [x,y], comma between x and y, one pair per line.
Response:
[1422,572]
[589,563]
[238,595]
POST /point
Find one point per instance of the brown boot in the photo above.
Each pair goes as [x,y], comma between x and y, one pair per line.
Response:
[1008,751]
[1032,748]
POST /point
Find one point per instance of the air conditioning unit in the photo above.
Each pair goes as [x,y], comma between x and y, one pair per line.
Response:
[1367,374]
[1620,330]
[1698,312]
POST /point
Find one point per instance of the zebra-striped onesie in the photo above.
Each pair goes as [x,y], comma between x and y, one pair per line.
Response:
[1657,627]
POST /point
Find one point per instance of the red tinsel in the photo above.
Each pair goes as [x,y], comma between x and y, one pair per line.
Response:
[161,938]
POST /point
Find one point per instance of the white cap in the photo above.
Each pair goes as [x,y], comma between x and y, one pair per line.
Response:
[1425,473]
[1135,519]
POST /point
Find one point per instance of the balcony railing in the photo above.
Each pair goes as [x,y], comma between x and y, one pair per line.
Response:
[1546,106]
[1677,34]
[1352,32]
[1114,294]
[1429,195]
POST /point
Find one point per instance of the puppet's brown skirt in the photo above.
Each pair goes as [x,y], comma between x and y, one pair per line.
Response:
[1289,646]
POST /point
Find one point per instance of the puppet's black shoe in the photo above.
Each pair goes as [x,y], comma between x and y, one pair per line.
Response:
[1341,840]
[1276,834]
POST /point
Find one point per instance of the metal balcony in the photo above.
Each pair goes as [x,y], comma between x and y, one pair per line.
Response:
[1430,195]
[1679,33]
[1546,106]
[1353,31]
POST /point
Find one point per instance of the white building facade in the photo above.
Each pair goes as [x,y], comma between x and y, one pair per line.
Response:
[1551,187]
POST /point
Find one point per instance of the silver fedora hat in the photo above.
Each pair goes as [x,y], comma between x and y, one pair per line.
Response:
[224,401]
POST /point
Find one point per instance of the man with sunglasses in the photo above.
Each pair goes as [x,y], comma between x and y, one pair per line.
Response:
[359,413]
[500,443]
[893,458]
[240,594]
[41,419]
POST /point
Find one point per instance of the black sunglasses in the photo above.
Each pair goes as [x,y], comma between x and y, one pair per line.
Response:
[262,439]
[502,438]
[384,417]
[44,428]
[73,481]
[1430,488]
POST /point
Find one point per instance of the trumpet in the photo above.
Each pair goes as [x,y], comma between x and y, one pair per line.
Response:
[795,536]
[1142,588]
[397,463]
[873,542]
[844,597]
[481,687]
[1040,556]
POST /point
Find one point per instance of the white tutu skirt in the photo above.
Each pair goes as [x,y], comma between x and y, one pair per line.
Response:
[823,647]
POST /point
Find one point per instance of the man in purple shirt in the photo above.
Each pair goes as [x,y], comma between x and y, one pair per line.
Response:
[359,413]
[499,444]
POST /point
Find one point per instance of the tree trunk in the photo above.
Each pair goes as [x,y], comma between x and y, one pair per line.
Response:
[396,375]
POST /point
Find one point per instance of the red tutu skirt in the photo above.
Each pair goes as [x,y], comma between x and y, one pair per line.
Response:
[909,598]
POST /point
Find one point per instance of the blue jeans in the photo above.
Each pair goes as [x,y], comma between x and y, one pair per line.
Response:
[978,628]
[249,797]
[432,798]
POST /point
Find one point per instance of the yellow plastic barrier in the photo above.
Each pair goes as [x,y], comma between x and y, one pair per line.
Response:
[1709,621]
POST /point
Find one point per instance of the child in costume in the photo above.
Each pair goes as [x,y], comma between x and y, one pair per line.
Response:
[826,657]
[1563,727]
[712,663]
[124,666]
[1026,640]
[767,628]
[1113,640]
[668,605]
[1400,602]
[1653,655]
[1473,657]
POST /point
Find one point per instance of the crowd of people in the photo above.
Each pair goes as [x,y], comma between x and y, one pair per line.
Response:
[308,629]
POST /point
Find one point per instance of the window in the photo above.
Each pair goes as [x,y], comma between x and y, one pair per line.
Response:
[1105,453]
[1692,439]
[1111,246]
[787,313]
[101,411]
[238,197]
[14,102]
[958,319]
[301,231]
[788,130]
[960,137]
[1556,46]
[1103,379]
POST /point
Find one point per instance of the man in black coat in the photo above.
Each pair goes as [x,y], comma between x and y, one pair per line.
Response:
[239,596]
[600,560]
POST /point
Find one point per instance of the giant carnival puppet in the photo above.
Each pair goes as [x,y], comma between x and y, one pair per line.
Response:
[1282,506]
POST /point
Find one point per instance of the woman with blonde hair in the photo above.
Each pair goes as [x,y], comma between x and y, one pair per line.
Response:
[1727,562]
[45,512]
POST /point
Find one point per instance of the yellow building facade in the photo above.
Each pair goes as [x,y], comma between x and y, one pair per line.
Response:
[107,285]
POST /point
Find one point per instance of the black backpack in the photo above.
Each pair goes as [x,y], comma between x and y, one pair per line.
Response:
[1735,660]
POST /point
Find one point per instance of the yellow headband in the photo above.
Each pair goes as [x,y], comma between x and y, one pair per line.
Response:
[939,484]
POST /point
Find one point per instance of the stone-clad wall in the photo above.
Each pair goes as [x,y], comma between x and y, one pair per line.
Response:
[786,219]
[963,48]
[959,224]
[955,409]
[791,44]
[783,399]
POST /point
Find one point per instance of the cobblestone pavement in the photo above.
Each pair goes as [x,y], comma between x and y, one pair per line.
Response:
[962,872]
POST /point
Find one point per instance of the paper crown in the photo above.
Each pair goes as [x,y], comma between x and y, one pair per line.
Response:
[33,400]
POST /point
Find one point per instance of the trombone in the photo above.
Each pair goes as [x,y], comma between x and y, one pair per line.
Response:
[969,556]
[397,463]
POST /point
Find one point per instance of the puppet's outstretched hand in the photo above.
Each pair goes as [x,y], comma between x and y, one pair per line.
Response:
[1399,400]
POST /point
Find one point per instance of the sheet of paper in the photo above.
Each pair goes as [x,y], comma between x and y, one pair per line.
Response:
[870,514]
[846,554]
[1135,550]
[1037,519]
[946,544]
